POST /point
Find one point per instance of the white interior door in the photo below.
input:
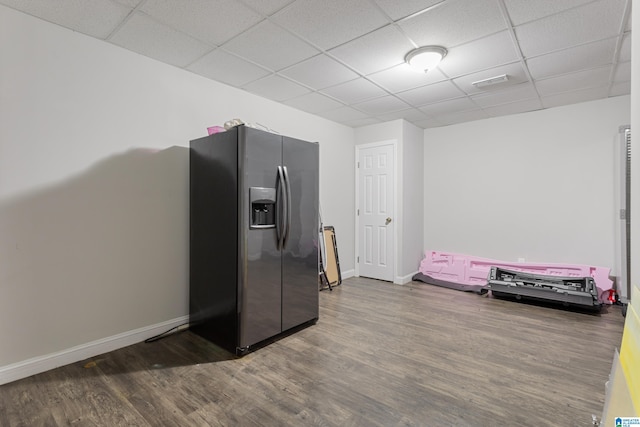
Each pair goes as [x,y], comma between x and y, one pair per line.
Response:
[375,212]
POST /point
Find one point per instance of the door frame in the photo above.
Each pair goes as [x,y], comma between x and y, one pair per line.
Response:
[396,210]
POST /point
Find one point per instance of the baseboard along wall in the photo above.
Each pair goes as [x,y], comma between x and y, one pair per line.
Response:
[36,365]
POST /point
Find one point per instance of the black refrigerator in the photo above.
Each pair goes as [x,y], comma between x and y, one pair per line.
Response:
[253,237]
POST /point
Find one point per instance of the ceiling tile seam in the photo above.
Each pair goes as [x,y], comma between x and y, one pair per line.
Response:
[554,76]
[582,89]
[344,64]
[355,106]
[358,72]
[571,47]
[324,52]
[237,56]
[264,18]
[315,46]
[344,104]
[451,112]
[172,28]
[500,104]
[376,6]
[420,105]
[569,92]
[426,116]
[420,12]
[292,80]
[616,53]
[481,70]
[557,13]
[516,44]
[125,20]
[368,98]
[249,5]
[394,23]
[214,48]
[40,18]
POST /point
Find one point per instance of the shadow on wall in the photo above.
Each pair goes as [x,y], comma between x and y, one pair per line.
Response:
[102,253]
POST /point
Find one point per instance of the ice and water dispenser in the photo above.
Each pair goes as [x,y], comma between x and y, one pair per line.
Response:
[262,203]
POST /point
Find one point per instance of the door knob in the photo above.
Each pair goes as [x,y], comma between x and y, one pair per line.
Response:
[388,221]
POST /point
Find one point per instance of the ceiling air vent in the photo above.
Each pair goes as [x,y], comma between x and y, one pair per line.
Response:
[491,81]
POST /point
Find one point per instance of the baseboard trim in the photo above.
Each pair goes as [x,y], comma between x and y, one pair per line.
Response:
[405,279]
[36,365]
[347,274]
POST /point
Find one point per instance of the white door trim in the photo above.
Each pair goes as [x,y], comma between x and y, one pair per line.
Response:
[397,219]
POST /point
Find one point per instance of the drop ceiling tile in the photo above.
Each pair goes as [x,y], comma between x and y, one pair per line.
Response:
[410,115]
[573,59]
[509,94]
[129,3]
[400,9]
[462,116]
[319,72]
[314,103]
[625,48]
[449,106]
[403,77]
[514,72]
[362,122]
[574,81]
[628,26]
[276,88]
[354,91]
[623,72]
[622,88]
[431,94]
[212,21]
[329,23]
[382,105]
[574,97]
[375,51]
[343,114]
[96,18]
[226,68]
[455,22]
[591,22]
[521,11]
[270,46]
[267,7]
[148,37]
[514,107]
[428,123]
[488,52]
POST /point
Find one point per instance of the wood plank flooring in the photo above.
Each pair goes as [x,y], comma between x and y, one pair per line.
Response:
[380,355]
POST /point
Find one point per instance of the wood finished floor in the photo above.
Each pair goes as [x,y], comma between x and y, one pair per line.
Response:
[381,355]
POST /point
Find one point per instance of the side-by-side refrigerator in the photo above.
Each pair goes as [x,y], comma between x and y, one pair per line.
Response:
[253,236]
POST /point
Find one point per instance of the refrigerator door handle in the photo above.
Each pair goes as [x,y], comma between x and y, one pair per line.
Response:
[280,210]
[288,207]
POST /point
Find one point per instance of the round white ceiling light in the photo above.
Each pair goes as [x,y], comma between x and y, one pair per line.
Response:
[425,58]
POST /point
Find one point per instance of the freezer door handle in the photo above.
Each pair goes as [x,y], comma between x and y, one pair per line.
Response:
[288,207]
[281,209]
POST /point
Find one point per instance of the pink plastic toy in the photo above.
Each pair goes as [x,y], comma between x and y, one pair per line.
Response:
[215,129]
[471,272]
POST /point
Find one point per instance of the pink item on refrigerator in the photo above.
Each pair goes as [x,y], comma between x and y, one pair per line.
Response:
[473,271]
[215,129]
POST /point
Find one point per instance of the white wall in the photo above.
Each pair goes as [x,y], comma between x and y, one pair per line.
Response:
[379,132]
[94,184]
[413,199]
[539,185]
[635,148]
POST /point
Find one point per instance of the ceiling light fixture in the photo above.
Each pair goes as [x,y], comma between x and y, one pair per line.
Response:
[425,58]
[491,81]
